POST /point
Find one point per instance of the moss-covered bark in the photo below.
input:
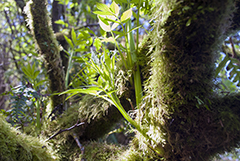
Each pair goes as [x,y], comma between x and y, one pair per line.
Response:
[235,25]
[40,26]
[17,146]
[182,111]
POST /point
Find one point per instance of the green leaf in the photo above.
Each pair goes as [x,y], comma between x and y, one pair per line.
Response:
[104,26]
[230,66]
[25,71]
[64,2]
[221,65]
[90,90]
[103,20]
[32,69]
[74,37]
[135,1]
[114,8]
[40,83]
[36,74]
[120,33]
[102,13]
[97,43]
[85,34]
[234,60]
[109,39]
[103,7]
[90,31]
[113,63]
[126,15]
[81,49]
[121,1]
[134,28]
[107,59]
[189,22]
[69,41]
[60,22]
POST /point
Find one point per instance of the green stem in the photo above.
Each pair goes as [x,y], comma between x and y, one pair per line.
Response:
[69,68]
[136,70]
[116,101]
[38,117]
[38,123]
[120,52]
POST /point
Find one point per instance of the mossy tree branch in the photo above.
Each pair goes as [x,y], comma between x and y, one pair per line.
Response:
[235,25]
[48,46]
[182,110]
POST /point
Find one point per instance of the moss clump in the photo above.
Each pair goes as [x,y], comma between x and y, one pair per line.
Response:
[96,151]
[64,143]
[15,146]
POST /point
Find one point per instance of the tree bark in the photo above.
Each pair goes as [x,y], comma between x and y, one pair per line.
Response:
[183,112]
[48,46]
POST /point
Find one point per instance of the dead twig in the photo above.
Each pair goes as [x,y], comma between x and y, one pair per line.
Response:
[68,129]
[74,135]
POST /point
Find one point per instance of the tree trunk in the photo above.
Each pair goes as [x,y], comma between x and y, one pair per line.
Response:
[48,46]
[183,112]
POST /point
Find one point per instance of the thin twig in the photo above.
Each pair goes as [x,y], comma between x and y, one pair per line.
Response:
[78,143]
[68,129]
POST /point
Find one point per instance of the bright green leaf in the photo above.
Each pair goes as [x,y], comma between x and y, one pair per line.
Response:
[104,26]
[103,7]
[109,39]
[114,8]
[103,20]
[97,43]
[102,13]
[60,22]
[107,59]
[134,29]
[121,1]
[74,37]
[126,15]
[119,33]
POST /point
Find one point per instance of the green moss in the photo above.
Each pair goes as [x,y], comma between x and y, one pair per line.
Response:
[96,151]
[179,110]
[16,146]
[41,28]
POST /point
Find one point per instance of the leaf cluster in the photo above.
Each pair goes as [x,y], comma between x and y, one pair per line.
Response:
[22,109]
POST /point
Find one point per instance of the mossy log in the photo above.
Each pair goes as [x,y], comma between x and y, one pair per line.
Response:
[182,110]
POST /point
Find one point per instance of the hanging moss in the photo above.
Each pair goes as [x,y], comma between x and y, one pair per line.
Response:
[15,146]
